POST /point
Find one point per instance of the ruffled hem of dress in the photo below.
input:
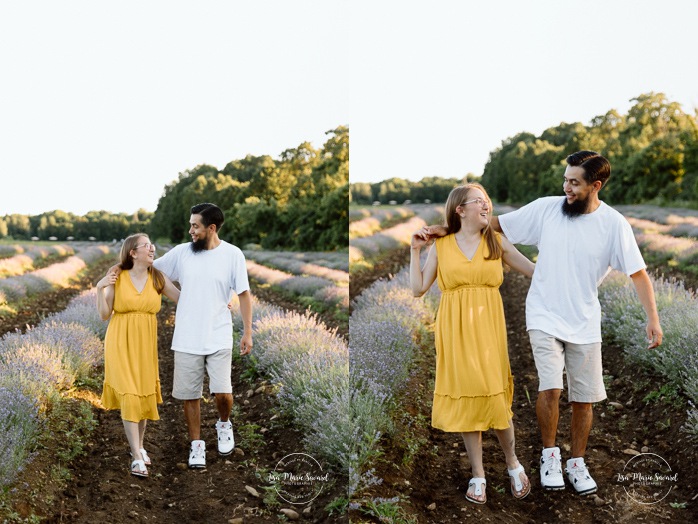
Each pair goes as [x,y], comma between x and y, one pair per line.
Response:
[134,408]
[465,413]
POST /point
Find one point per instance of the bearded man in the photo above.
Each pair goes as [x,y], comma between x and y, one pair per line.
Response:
[209,270]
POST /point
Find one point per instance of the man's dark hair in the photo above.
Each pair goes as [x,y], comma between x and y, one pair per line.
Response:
[210,214]
[595,166]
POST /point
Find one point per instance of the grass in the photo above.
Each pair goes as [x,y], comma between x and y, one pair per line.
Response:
[68,426]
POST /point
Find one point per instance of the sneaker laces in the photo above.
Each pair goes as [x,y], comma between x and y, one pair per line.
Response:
[553,463]
[198,452]
[579,472]
[225,430]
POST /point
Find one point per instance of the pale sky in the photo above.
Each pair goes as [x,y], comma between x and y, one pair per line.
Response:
[438,85]
[104,103]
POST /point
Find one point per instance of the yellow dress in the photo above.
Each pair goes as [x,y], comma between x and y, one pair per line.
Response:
[474,387]
[131,375]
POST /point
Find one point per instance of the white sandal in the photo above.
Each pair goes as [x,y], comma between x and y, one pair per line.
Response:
[138,468]
[480,485]
[145,457]
[518,486]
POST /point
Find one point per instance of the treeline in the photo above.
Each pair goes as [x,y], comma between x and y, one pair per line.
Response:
[431,189]
[99,225]
[296,202]
[653,150]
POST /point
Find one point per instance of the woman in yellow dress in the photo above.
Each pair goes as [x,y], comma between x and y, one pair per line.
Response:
[474,387]
[131,376]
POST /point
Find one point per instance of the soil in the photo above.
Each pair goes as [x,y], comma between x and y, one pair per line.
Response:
[100,488]
[432,482]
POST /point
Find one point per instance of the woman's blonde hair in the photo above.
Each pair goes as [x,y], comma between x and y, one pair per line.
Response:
[456,198]
[126,260]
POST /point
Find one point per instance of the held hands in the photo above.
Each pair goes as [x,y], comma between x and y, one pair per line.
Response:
[109,279]
[425,235]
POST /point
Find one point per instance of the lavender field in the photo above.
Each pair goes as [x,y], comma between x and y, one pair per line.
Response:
[317,280]
[387,323]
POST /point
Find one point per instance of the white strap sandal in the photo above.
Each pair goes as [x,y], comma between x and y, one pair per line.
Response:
[518,486]
[138,468]
[480,485]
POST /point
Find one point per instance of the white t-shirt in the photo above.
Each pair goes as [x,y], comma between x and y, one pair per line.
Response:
[574,256]
[203,323]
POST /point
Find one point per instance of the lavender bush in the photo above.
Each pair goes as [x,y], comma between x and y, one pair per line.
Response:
[82,310]
[305,286]
[624,323]
[37,369]
[310,364]
[333,296]
[19,426]
[382,327]
[37,365]
[78,348]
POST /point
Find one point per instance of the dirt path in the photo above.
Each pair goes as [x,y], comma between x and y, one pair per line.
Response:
[104,491]
[432,483]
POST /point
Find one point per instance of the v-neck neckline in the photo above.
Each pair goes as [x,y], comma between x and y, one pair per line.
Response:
[134,284]
[469,259]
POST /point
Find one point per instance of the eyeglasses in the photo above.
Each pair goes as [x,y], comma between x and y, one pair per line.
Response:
[147,245]
[479,201]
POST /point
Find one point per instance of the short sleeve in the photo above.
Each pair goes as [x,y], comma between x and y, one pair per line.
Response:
[168,263]
[524,225]
[626,255]
[239,282]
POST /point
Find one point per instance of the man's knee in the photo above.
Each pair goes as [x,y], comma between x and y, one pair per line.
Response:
[550,395]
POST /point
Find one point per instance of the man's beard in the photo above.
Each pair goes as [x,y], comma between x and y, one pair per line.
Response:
[576,208]
[197,246]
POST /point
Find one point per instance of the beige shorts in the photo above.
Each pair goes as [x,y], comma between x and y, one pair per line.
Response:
[582,363]
[188,383]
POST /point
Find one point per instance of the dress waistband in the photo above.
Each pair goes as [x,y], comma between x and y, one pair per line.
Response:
[133,313]
[468,286]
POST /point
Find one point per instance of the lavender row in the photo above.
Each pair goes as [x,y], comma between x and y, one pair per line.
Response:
[677,357]
[45,279]
[23,260]
[381,213]
[394,237]
[294,264]
[304,286]
[376,219]
[382,347]
[310,364]
[36,366]
[682,249]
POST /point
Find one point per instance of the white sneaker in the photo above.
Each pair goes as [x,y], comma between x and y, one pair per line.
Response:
[578,475]
[197,455]
[226,441]
[551,469]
